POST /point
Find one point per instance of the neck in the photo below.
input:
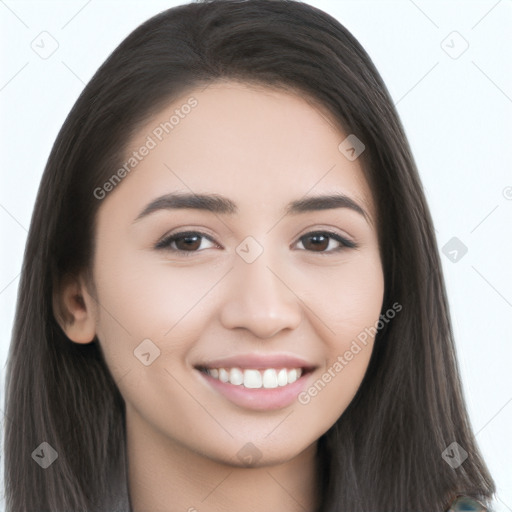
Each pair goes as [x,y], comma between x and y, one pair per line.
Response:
[164,473]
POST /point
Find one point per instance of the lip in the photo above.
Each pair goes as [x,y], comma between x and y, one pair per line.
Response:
[259,399]
[259,362]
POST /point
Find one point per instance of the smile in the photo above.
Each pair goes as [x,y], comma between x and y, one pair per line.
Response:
[268,378]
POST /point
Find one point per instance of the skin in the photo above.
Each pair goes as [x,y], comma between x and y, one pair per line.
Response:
[261,149]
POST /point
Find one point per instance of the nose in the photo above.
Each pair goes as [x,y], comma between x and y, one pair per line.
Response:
[259,299]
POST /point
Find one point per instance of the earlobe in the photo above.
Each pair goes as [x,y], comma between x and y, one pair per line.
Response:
[73,310]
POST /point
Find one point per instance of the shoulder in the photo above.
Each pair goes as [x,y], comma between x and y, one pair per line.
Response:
[466,504]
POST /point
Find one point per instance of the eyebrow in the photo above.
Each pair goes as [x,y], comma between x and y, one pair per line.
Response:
[218,204]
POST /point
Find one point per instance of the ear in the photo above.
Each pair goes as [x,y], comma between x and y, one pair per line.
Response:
[74,309]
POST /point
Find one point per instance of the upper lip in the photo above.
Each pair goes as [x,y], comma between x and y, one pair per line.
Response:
[258,361]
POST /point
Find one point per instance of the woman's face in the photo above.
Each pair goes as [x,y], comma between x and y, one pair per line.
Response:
[258,288]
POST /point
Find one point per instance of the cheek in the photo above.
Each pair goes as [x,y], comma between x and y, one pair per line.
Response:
[347,297]
[141,300]
[348,303]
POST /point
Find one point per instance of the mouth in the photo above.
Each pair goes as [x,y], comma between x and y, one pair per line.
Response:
[256,378]
[257,383]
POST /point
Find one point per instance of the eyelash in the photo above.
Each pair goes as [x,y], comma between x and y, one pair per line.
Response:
[166,242]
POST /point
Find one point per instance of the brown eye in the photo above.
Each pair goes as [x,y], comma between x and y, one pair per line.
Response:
[185,242]
[320,241]
[188,243]
[316,242]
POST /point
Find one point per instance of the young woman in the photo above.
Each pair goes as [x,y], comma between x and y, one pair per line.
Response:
[231,297]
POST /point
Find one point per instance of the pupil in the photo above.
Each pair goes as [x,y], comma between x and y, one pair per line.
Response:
[189,242]
[319,240]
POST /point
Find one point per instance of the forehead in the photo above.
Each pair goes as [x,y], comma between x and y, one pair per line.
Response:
[254,144]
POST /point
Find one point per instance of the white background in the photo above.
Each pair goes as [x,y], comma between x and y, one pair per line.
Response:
[456,112]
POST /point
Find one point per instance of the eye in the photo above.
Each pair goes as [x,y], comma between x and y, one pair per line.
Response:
[325,242]
[184,242]
[187,242]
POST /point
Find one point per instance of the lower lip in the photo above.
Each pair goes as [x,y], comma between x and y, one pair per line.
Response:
[259,399]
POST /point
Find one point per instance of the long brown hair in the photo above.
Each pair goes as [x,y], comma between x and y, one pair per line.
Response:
[385,452]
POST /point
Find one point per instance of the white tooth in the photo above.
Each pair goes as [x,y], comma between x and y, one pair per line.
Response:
[270,378]
[282,377]
[252,379]
[292,376]
[223,375]
[236,376]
